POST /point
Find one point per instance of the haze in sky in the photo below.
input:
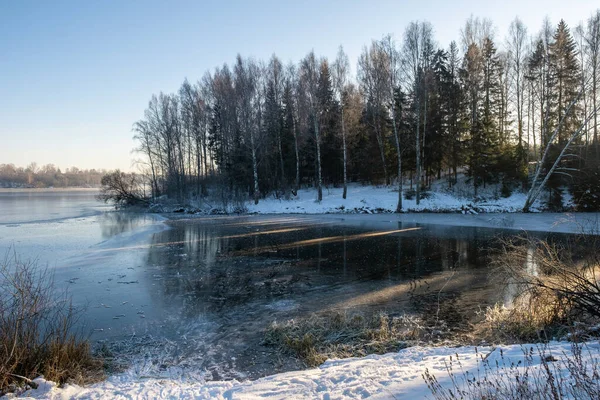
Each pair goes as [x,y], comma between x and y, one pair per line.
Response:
[75,75]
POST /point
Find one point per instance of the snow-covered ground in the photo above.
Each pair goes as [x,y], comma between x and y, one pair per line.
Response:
[439,209]
[390,376]
[372,199]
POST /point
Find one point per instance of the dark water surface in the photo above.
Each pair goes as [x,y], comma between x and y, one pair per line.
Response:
[194,296]
[205,290]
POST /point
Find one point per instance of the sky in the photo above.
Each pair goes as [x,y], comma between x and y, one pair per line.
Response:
[76,75]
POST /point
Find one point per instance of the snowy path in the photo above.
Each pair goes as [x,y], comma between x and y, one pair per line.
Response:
[390,376]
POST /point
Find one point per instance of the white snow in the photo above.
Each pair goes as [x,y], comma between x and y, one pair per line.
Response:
[371,199]
[390,376]
[439,209]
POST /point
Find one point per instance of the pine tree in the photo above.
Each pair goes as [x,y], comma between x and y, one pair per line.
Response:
[329,120]
[565,74]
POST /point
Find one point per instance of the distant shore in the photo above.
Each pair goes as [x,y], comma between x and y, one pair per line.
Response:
[68,189]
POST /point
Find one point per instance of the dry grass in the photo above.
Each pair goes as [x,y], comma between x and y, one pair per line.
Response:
[555,294]
[554,288]
[540,375]
[340,335]
[37,330]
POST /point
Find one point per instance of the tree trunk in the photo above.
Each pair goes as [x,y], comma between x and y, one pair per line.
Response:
[297,156]
[319,177]
[345,155]
[254,169]
[381,150]
[418,153]
[281,160]
[399,154]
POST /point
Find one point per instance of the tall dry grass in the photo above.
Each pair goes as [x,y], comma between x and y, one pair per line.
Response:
[38,335]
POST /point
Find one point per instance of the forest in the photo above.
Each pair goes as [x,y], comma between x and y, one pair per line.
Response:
[518,111]
[46,176]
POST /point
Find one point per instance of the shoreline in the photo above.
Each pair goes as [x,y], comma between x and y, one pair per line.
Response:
[389,376]
[67,189]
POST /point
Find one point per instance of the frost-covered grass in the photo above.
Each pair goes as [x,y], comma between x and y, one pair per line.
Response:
[541,372]
[341,335]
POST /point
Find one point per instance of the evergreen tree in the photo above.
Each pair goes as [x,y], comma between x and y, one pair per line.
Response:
[565,73]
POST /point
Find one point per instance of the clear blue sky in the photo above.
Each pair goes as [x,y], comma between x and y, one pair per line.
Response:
[75,75]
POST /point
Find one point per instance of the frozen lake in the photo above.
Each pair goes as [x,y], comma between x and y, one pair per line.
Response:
[193,296]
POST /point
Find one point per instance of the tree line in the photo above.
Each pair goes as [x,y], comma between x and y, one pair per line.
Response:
[520,112]
[34,176]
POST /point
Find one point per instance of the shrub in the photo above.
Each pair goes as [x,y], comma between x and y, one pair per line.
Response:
[122,189]
[554,287]
[37,330]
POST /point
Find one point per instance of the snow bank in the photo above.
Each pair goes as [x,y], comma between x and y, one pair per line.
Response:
[389,376]
[371,199]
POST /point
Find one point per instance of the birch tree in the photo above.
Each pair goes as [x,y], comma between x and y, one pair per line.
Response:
[541,177]
[309,76]
[389,47]
[416,55]
[517,54]
[341,68]
[592,45]
[248,98]
[290,103]
[372,76]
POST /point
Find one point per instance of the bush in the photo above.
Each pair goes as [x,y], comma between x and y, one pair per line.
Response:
[37,330]
[554,286]
[122,189]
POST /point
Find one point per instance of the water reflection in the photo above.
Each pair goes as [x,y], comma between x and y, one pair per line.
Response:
[219,264]
[113,223]
[219,282]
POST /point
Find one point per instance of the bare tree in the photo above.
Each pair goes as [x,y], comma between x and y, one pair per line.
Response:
[592,42]
[291,93]
[275,83]
[249,97]
[341,68]
[309,78]
[389,47]
[374,82]
[517,53]
[476,30]
[416,58]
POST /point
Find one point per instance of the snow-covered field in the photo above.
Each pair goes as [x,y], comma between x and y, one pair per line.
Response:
[390,376]
[372,199]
